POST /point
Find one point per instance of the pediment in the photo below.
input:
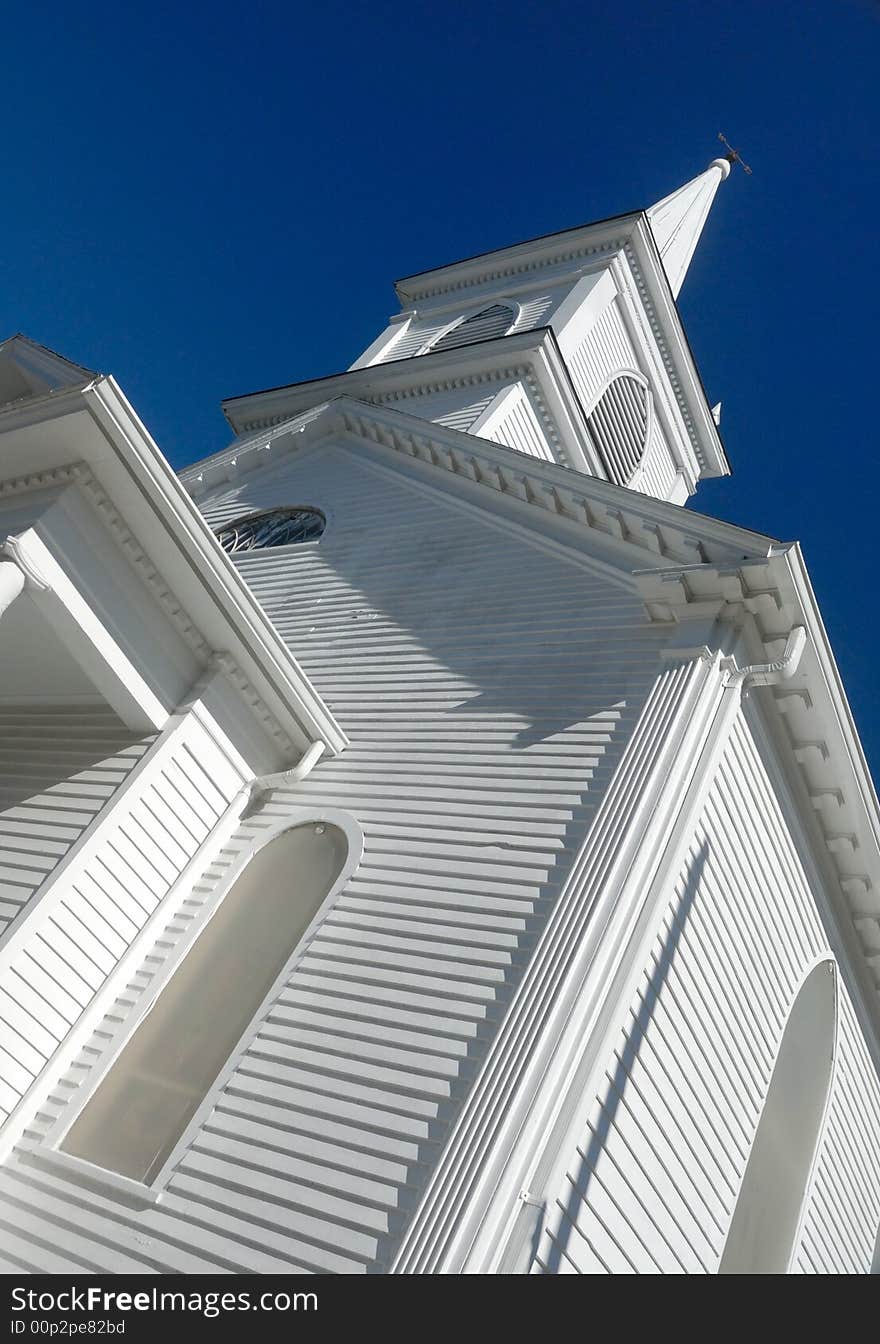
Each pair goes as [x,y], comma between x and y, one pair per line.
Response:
[30,370]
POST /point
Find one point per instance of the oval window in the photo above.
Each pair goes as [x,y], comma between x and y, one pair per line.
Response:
[274,527]
[619,426]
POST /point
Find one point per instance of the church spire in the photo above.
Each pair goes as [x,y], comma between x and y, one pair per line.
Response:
[677,221]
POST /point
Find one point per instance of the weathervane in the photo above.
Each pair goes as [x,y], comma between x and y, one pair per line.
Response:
[733,155]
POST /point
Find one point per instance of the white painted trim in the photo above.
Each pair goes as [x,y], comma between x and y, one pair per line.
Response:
[499,407]
[77,1170]
[377,350]
[89,640]
[579,312]
[641,905]
[90,435]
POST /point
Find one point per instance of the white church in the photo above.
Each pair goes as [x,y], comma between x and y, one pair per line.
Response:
[426,845]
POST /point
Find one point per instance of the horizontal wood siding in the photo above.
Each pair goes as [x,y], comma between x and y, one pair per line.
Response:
[657,477]
[652,1184]
[843,1216]
[458,409]
[607,349]
[59,766]
[485,719]
[76,936]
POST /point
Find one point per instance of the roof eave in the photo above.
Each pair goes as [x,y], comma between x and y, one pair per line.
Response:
[659,294]
[120,455]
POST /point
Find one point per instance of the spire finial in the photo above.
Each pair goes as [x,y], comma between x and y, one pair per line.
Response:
[733,155]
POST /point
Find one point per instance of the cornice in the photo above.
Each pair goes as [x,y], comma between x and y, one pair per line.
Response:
[523,373]
[825,751]
[633,280]
[522,259]
[648,529]
[232,618]
[39,480]
[143,566]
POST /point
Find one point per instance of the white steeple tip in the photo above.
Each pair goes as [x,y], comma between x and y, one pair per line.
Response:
[716,413]
[677,221]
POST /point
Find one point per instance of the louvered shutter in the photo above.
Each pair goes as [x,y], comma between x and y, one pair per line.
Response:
[619,425]
[482,326]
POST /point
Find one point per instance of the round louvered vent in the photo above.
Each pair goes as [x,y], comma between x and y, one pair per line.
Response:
[275,527]
[482,326]
[619,425]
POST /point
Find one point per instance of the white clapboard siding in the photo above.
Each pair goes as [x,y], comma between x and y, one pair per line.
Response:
[411,340]
[59,767]
[605,350]
[657,476]
[654,1180]
[519,427]
[841,1226]
[457,408]
[485,718]
[77,935]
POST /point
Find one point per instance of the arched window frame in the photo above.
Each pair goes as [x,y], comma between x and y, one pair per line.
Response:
[461,318]
[627,372]
[259,513]
[806,1199]
[822,959]
[139,1194]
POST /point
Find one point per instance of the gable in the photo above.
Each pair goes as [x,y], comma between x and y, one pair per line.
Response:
[31,370]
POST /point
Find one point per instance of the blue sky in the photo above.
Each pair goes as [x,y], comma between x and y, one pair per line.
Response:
[209,199]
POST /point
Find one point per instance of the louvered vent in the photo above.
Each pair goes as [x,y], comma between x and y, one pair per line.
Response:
[482,326]
[619,424]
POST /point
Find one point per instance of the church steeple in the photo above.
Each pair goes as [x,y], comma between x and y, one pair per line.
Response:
[677,221]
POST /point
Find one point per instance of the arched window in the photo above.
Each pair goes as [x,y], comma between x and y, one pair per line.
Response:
[142,1106]
[274,527]
[482,326]
[619,426]
[765,1220]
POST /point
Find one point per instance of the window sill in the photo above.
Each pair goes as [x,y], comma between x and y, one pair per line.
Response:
[76,1169]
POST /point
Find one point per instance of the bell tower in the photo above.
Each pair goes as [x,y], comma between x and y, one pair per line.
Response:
[567,347]
[588,291]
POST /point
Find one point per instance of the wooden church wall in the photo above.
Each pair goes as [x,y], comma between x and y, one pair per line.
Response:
[516,423]
[59,766]
[653,1183]
[485,718]
[454,408]
[58,956]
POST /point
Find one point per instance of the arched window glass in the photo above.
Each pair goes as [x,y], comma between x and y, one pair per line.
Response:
[275,527]
[619,426]
[482,326]
[142,1106]
[767,1213]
